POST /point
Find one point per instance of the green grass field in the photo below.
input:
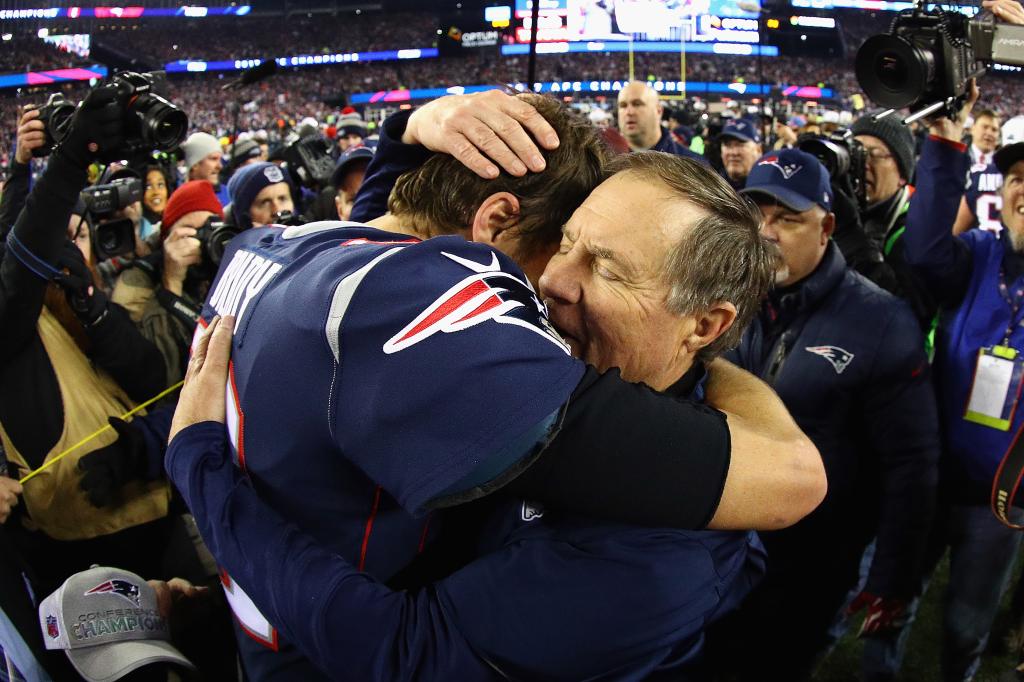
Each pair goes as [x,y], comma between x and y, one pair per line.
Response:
[922,661]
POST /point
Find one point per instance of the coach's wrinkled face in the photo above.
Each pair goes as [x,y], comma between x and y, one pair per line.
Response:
[606,288]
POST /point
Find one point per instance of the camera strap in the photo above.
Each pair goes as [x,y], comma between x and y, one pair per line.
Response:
[32,262]
[179,308]
[1007,481]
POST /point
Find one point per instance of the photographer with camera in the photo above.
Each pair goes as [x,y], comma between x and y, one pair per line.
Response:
[260,195]
[31,135]
[72,363]
[167,289]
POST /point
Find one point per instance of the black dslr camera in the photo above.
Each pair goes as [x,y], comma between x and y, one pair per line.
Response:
[928,57]
[113,236]
[151,122]
[56,116]
[844,157]
[213,236]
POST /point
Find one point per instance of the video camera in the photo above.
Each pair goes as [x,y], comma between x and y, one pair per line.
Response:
[928,57]
[845,159]
[113,236]
[151,122]
[309,160]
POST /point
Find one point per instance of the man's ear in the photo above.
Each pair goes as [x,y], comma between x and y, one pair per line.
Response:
[710,324]
[828,226]
[495,218]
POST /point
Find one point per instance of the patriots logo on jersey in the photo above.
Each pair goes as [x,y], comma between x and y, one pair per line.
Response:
[121,588]
[839,358]
[51,627]
[788,170]
[489,294]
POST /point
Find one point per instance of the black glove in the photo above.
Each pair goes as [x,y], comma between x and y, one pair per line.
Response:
[97,129]
[88,302]
[106,470]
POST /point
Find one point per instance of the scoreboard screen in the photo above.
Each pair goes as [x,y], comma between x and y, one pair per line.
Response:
[711,21]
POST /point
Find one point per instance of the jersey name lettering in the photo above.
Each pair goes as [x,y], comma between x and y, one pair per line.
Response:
[989,182]
[243,279]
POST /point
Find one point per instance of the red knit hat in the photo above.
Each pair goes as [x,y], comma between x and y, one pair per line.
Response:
[195,195]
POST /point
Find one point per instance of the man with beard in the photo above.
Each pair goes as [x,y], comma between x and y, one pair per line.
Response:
[978,277]
[438,293]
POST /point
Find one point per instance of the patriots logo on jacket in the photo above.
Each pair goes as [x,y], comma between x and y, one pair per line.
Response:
[51,627]
[489,294]
[788,170]
[121,588]
[839,358]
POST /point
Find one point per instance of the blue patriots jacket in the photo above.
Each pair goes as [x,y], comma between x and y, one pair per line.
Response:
[848,361]
[551,597]
[964,272]
[438,349]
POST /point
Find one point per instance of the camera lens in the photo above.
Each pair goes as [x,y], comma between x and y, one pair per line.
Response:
[894,72]
[832,156]
[164,126]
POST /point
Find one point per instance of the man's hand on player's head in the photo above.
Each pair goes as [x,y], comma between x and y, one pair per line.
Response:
[202,396]
[484,129]
[1009,11]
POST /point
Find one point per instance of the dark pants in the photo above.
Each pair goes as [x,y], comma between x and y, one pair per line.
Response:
[782,629]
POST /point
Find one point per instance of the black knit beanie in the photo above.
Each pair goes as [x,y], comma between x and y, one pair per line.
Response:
[895,135]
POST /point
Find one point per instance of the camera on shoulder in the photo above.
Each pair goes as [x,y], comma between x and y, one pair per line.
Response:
[926,60]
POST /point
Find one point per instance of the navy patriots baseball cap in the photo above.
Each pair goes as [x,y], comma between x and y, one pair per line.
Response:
[347,159]
[791,177]
[741,129]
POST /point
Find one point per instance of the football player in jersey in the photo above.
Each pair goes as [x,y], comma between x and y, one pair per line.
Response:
[982,203]
[376,377]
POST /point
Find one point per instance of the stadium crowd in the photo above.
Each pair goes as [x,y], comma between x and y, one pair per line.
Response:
[503,385]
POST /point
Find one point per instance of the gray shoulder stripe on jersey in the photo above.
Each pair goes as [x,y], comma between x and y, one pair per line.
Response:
[343,294]
[296,231]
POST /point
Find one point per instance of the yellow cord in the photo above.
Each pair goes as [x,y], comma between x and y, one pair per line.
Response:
[95,434]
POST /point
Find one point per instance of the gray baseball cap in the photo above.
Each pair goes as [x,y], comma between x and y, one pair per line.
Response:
[107,621]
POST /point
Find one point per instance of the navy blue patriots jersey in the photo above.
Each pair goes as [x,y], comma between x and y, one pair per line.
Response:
[983,198]
[351,343]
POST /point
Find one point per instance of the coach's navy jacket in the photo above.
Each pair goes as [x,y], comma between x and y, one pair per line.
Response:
[848,361]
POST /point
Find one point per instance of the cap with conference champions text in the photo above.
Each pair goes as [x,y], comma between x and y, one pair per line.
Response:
[107,621]
[793,178]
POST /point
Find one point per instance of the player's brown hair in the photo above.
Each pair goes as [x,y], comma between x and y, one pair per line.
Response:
[444,195]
